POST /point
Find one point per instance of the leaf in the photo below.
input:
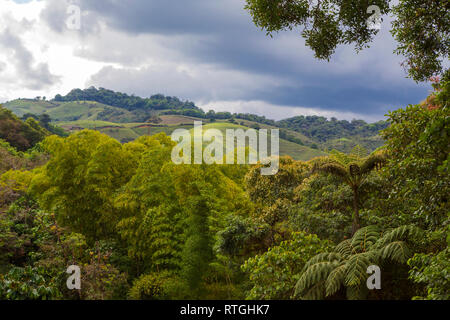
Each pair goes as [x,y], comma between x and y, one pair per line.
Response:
[335,279]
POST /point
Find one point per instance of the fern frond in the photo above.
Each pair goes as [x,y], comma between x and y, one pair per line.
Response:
[397,251]
[356,270]
[335,279]
[359,151]
[328,165]
[374,161]
[313,275]
[323,257]
[316,292]
[365,237]
[403,233]
[345,248]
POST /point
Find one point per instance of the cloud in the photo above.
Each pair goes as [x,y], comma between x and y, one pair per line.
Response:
[32,76]
[197,82]
[210,52]
[27,72]
[279,112]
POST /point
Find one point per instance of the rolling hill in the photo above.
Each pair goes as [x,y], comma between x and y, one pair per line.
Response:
[126,117]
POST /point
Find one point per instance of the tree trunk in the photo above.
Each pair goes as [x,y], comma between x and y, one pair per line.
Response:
[356,223]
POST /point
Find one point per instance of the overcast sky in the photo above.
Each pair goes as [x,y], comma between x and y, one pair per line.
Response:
[206,51]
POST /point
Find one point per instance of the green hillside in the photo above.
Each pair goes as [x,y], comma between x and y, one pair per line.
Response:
[127,117]
[129,131]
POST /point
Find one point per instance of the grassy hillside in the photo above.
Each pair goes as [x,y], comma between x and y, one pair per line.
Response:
[23,106]
[130,131]
[301,137]
[296,151]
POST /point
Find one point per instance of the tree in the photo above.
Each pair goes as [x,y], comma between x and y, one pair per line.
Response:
[45,120]
[418,165]
[274,274]
[421,27]
[353,170]
[85,169]
[325,274]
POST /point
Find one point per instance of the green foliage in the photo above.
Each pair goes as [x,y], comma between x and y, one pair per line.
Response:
[27,284]
[20,135]
[346,266]
[323,207]
[352,169]
[83,172]
[122,100]
[420,27]
[433,270]
[154,286]
[197,250]
[418,167]
[13,185]
[273,275]
[422,31]
[141,227]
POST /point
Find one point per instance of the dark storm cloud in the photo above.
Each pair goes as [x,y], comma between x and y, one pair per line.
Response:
[369,83]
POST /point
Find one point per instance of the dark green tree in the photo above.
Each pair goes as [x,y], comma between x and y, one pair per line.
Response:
[421,27]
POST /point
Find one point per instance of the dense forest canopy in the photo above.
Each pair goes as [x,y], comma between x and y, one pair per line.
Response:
[141,227]
[125,101]
[324,129]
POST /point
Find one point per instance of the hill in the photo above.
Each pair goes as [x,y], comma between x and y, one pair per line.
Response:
[126,117]
[125,132]
[21,135]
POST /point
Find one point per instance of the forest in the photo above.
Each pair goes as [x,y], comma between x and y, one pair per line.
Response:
[356,211]
[141,227]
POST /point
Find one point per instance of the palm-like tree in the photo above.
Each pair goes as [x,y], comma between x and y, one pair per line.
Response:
[352,169]
[326,273]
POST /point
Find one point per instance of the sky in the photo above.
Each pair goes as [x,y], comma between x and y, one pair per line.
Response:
[205,51]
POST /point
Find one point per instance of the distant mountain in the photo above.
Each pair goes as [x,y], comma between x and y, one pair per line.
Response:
[114,107]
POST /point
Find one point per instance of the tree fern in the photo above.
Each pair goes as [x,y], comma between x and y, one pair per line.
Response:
[352,169]
[325,273]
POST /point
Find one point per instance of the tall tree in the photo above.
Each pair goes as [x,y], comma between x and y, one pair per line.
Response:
[353,170]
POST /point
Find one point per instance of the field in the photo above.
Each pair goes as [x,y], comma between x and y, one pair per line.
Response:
[125,132]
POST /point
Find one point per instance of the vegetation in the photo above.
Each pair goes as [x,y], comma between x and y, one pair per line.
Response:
[19,134]
[126,118]
[122,100]
[141,227]
[421,28]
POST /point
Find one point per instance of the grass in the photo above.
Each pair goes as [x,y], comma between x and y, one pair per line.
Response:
[23,106]
[84,114]
[129,131]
